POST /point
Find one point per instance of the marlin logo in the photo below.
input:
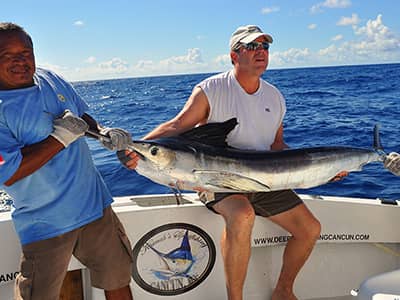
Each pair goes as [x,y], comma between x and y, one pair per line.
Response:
[173,259]
[175,263]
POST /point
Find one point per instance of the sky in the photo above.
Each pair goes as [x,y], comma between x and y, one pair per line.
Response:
[91,40]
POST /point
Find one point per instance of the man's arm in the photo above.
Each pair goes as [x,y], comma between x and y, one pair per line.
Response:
[67,129]
[34,157]
[194,112]
[279,142]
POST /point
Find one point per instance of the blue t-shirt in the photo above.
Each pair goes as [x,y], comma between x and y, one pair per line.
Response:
[68,191]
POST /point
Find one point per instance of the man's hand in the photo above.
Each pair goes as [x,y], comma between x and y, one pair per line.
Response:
[128,159]
[339,176]
[392,163]
[68,128]
[116,139]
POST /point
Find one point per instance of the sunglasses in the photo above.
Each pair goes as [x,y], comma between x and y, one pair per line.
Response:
[255,45]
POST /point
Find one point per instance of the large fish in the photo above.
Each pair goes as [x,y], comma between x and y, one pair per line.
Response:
[201,160]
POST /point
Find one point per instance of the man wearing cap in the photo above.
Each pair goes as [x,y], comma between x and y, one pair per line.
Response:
[259,108]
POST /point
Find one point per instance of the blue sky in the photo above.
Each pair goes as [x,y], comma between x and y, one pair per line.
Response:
[87,39]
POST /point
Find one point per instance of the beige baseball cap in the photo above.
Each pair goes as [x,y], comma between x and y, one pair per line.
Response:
[247,34]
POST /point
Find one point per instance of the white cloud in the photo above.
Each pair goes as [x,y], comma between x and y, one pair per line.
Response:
[293,57]
[269,10]
[144,64]
[55,68]
[337,38]
[79,23]
[223,61]
[312,26]
[116,65]
[90,60]
[376,36]
[346,21]
[191,62]
[337,3]
[192,57]
[317,8]
[373,43]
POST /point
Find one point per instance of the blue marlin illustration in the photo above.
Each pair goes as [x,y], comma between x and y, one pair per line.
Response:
[176,262]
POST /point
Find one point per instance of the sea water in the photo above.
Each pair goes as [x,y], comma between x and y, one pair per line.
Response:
[325,106]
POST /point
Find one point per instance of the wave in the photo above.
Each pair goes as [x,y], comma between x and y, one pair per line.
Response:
[313,94]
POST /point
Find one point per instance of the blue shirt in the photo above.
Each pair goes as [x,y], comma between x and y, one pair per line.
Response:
[68,191]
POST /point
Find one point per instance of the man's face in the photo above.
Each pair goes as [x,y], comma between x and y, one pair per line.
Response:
[252,60]
[17,61]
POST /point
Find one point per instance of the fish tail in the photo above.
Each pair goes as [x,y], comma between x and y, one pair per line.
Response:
[377,142]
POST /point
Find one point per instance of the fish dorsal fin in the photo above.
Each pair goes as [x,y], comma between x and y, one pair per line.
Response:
[213,134]
[185,245]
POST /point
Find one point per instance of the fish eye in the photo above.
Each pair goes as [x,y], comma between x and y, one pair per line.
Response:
[154,150]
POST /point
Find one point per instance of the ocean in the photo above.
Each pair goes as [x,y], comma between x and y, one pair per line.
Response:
[326,106]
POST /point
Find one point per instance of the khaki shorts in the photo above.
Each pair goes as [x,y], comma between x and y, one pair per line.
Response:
[265,204]
[102,246]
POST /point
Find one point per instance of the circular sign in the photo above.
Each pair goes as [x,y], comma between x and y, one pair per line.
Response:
[173,259]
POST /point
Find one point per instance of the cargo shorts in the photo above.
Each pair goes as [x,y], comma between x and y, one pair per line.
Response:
[102,246]
[265,204]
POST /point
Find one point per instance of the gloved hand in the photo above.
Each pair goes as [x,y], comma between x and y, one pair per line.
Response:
[392,163]
[116,138]
[68,128]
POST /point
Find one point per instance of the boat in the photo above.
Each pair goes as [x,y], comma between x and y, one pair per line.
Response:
[175,245]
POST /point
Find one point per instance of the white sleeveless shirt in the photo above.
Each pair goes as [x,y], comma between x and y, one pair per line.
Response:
[259,115]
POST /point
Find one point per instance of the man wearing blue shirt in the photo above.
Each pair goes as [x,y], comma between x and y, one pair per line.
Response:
[61,204]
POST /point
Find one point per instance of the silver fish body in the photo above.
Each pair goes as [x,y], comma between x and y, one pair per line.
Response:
[190,164]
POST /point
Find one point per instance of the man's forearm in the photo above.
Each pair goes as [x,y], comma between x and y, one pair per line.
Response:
[34,157]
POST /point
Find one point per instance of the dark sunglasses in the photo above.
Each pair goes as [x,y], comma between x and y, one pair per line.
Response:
[255,45]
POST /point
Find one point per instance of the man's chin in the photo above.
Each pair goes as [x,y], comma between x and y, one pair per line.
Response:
[22,83]
[23,79]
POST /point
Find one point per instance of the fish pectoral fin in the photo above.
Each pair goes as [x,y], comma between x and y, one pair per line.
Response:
[231,181]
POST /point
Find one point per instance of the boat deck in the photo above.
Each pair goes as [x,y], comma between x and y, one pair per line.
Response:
[359,239]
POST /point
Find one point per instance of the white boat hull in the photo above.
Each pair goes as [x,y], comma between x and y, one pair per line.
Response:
[359,239]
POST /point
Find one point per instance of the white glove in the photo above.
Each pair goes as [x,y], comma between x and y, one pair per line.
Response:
[68,128]
[392,163]
[116,138]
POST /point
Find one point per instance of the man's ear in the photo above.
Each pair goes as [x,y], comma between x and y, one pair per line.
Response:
[234,57]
